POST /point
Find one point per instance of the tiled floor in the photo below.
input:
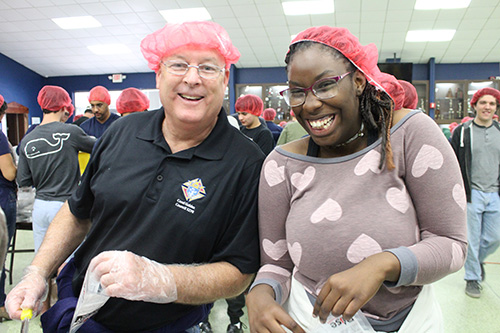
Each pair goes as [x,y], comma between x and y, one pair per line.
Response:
[462,314]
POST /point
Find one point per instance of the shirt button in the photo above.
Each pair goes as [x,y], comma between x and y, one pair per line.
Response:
[159,178]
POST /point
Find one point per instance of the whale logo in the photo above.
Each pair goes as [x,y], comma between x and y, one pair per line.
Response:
[41,147]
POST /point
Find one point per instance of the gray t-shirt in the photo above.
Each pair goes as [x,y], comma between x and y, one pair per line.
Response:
[48,159]
[485,158]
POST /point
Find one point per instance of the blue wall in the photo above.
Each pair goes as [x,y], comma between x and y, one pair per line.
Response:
[21,85]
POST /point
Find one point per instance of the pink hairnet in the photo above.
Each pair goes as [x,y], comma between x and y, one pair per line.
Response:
[269,114]
[411,97]
[464,119]
[71,109]
[132,100]
[485,91]
[101,94]
[292,114]
[452,126]
[392,88]
[1,100]
[53,98]
[249,103]
[202,34]
[283,123]
[363,57]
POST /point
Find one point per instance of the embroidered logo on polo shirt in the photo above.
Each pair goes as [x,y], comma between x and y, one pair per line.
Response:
[193,190]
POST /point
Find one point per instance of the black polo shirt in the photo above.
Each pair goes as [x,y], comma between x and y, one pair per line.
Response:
[195,206]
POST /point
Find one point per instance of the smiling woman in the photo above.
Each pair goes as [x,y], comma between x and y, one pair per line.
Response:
[338,210]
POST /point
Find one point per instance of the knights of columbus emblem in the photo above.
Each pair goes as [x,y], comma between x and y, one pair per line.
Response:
[193,189]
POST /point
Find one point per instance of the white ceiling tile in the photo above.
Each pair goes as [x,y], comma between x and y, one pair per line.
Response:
[425,15]
[12,15]
[190,3]
[250,22]
[31,13]
[246,10]
[472,24]
[274,21]
[209,3]
[401,5]
[228,23]
[141,6]
[342,6]
[398,15]
[148,17]
[221,12]
[270,9]
[97,9]
[325,19]
[73,10]
[456,14]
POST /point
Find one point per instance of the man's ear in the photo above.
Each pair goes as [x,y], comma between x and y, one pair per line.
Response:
[360,82]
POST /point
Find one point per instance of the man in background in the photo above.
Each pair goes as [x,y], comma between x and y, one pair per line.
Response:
[269,114]
[99,100]
[477,146]
[87,114]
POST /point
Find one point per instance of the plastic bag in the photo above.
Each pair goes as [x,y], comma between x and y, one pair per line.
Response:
[90,301]
[357,324]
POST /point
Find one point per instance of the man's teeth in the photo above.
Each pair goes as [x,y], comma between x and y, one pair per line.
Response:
[321,123]
[193,98]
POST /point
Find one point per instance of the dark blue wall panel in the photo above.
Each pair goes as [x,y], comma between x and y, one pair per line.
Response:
[20,84]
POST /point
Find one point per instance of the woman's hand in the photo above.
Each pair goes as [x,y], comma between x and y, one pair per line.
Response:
[265,314]
[346,292]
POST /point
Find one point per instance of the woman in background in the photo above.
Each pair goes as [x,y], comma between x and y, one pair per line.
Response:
[8,199]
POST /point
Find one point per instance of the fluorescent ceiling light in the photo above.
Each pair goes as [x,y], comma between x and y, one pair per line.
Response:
[186,14]
[441,4]
[77,22]
[308,7]
[106,49]
[430,35]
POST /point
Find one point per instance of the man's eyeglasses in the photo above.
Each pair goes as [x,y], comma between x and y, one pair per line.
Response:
[322,89]
[206,71]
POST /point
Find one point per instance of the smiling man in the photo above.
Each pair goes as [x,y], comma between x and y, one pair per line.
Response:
[99,100]
[167,205]
[477,145]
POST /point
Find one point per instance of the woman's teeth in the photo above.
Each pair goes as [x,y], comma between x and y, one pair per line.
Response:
[321,123]
[192,98]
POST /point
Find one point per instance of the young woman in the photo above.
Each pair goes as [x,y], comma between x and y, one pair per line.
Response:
[362,214]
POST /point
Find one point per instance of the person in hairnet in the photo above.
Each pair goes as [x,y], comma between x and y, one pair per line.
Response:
[99,100]
[131,100]
[167,207]
[357,219]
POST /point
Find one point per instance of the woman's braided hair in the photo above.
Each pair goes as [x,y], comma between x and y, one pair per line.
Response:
[375,106]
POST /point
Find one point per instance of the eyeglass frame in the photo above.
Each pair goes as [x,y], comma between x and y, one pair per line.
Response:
[336,78]
[220,70]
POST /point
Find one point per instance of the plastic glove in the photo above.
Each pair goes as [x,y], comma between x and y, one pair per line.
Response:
[127,275]
[27,294]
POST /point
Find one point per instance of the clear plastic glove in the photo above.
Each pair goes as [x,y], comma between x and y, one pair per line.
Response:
[27,294]
[127,275]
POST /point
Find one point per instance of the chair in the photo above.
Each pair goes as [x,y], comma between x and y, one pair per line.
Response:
[20,225]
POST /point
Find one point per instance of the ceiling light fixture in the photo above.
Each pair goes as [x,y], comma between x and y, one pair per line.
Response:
[107,49]
[186,14]
[308,7]
[430,35]
[441,4]
[77,22]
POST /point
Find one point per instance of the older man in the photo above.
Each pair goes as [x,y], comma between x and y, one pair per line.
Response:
[168,203]
[99,100]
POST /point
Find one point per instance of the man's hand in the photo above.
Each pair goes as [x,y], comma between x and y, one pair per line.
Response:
[127,275]
[27,294]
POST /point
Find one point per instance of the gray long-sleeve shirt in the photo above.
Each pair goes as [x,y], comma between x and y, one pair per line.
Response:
[48,159]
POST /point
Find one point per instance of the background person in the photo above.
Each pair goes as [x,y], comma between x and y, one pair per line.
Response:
[169,177]
[131,100]
[476,143]
[292,131]
[87,114]
[411,96]
[348,218]
[269,114]
[249,108]
[8,198]
[99,100]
